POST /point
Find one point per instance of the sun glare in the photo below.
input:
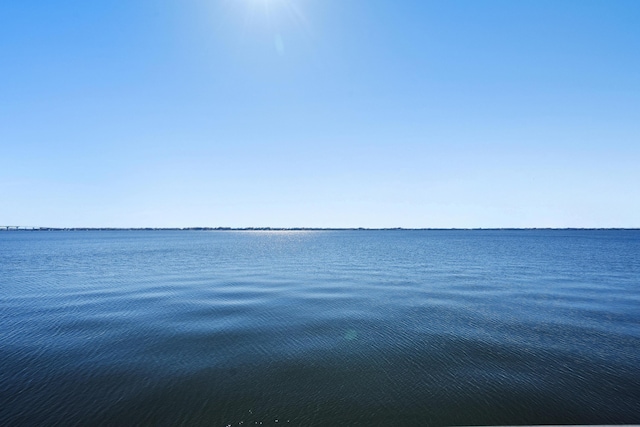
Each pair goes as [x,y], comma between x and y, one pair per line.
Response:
[276,12]
[276,16]
[267,6]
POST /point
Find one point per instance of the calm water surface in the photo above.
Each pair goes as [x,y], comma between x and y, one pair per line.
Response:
[319,328]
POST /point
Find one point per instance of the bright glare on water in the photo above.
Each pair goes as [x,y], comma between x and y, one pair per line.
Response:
[320,328]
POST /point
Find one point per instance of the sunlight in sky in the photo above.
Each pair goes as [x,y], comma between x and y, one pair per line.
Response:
[273,10]
[272,17]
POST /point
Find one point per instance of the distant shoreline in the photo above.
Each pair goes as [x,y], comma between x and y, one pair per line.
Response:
[25,228]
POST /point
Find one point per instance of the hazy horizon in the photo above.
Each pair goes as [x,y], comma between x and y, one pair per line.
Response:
[320,114]
[302,228]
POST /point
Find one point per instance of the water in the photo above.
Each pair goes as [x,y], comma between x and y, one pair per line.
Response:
[319,328]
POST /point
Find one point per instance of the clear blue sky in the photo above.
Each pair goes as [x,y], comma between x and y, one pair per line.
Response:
[320,113]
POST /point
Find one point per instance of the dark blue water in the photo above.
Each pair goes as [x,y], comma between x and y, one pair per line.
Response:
[319,328]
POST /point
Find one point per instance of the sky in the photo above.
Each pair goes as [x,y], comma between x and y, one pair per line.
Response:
[320,113]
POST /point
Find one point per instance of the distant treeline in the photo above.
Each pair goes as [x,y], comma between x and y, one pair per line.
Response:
[20,228]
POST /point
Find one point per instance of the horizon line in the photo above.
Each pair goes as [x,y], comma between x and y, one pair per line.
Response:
[31,228]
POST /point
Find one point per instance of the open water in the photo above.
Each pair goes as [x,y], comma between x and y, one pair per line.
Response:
[320,328]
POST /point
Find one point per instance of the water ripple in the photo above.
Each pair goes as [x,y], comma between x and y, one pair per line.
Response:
[320,328]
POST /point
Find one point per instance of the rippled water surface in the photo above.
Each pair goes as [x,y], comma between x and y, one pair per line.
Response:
[320,327]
